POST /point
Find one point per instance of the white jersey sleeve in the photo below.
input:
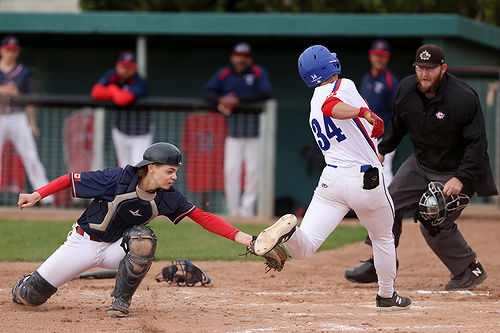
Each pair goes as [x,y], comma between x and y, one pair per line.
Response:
[344,142]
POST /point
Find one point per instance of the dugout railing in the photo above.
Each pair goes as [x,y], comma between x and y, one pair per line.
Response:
[76,136]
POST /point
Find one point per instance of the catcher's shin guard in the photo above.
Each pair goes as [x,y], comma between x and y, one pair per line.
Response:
[140,242]
[32,289]
[278,233]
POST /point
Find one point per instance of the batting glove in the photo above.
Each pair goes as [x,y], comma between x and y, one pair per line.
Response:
[378,124]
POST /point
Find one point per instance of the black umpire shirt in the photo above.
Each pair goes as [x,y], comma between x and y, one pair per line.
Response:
[447,131]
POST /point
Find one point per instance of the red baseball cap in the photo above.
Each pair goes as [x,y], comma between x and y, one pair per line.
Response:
[380,47]
[242,49]
[10,43]
[127,59]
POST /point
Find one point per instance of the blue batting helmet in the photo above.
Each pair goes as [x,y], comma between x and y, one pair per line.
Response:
[317,64]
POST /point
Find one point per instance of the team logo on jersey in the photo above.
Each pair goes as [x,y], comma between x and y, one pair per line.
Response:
[425,55]
[77,176]
[249,79]
[135,213]
[440,115]
[323,185]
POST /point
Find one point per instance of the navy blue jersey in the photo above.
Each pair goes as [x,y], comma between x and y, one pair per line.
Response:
[379,92]
[19,76]
[251,86]
[129,121]
[119,204]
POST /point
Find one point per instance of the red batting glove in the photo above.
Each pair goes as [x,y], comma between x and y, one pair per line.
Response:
[378,124]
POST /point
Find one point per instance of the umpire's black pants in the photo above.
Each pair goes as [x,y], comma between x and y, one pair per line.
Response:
[408,185]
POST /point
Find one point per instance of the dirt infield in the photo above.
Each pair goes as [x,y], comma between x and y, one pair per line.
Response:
[308,296]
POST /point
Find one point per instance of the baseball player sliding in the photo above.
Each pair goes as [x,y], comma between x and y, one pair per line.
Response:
[341,123]
[112,232]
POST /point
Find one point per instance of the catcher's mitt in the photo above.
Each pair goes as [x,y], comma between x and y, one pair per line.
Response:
[275,259]
[184,273]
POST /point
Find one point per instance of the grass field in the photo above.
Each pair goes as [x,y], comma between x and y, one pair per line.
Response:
[36,240]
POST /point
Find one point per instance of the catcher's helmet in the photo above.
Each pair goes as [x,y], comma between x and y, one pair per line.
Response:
[161,152]
[317,64]
[434,206]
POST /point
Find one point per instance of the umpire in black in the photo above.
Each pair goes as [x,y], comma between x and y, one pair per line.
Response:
[443,116]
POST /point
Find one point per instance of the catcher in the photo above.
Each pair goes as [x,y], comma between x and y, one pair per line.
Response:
[112,232]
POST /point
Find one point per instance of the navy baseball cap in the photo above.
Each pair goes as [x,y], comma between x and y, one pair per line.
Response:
[242,49]
[10,43]
[127,59]
[380,47]
[429,55]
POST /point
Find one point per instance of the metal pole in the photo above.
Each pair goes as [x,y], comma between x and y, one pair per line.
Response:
[267,159]
[142,54]
[497,134]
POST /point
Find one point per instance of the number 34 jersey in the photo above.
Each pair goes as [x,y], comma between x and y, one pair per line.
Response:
[344,142]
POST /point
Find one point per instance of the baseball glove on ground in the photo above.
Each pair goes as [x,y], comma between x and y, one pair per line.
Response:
[275,259]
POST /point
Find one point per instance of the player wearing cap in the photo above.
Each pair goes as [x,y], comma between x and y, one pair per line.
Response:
[18,124]
[343,127]
[443,116]
[124,201]
[132,131]
[239,83]
[378,88]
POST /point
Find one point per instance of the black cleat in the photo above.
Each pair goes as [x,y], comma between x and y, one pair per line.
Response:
[395,302]
[473,275]
[365,273]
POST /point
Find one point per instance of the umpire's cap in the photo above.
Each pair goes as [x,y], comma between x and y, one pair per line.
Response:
[161,152]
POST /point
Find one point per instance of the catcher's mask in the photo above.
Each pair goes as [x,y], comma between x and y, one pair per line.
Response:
[184,273]
[435,206]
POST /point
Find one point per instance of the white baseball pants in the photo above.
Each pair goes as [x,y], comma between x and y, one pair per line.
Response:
[15,127]
[78,254]
[340,189]
[237,152]
[130,148]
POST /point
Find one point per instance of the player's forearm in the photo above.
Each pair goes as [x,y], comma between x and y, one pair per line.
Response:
[31,113]
[119,96]
[55,186]
[342,110]
[214,224]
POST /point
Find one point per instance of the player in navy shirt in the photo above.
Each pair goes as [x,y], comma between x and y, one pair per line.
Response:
[18,123]
[124,201]
[240,82]
[132,132]
[378,88]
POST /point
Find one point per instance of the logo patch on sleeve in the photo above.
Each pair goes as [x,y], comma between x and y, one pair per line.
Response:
[77,176]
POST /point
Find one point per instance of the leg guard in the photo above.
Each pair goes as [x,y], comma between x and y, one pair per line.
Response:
[32,290]
[140,244]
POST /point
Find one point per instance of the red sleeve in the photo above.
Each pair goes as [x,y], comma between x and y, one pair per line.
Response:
[120,97]
[100,92]
[328,105]
[55,186]
[213,223]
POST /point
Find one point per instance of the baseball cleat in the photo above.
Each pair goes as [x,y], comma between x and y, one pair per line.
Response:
[118,309]
[276,234]
[395,302]
[473,275]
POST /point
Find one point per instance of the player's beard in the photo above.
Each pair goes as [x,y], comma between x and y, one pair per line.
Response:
[432,88]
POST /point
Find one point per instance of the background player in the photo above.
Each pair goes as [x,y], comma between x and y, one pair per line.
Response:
[340,122]
[125,200]
[443,117]
[18,124]
[378,88]
[132,132]
[240,82]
